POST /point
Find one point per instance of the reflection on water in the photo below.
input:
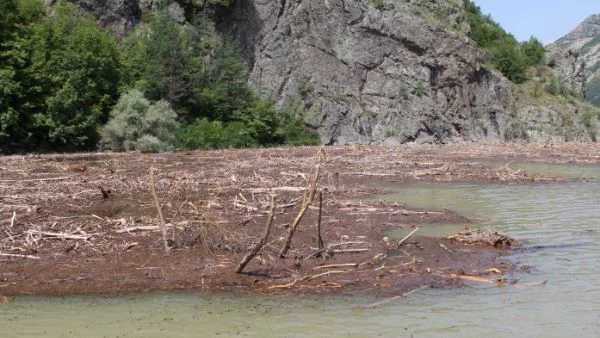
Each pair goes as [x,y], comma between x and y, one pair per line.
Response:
[567,306]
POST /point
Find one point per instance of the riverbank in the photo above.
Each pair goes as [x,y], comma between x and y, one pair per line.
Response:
[86,223]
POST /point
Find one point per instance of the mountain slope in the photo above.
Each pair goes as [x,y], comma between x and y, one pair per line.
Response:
[582,44]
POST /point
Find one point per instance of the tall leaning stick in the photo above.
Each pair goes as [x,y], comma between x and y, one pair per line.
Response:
[161,219]
[263,240]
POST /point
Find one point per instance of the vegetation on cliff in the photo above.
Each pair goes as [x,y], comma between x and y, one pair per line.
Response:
[501,49]
[69,85]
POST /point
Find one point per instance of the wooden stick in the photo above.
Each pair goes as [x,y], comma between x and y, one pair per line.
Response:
[352,265]
[161,220]
[385,301]
[38,179]
[407,237]
[320,238]
[139,228]
[263,240]
[12,220]
[60,235]
[308,198]
[307,278]
[351,250]
[21,256]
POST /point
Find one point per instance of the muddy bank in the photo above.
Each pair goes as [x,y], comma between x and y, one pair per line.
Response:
[86,223]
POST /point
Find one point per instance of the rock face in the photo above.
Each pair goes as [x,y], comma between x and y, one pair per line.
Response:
[577,57]
[374,71]
[120,16]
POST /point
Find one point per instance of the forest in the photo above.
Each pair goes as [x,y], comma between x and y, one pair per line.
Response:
[68,85]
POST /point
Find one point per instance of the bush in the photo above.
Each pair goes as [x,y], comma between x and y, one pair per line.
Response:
[134,120]
[151,144]
[202,134]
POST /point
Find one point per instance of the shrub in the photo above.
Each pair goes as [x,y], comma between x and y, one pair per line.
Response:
[151,144]
[134,120]
[202,134]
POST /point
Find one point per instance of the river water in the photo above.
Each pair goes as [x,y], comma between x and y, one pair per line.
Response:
[564,216]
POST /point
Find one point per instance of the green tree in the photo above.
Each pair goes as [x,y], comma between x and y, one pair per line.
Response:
[501,49]
[534,51]
[67,71]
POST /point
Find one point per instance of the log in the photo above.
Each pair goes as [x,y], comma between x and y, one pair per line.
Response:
[263,241]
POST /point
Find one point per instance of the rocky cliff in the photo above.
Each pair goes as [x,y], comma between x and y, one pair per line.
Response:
[577,57]
[374,71]
[391,71]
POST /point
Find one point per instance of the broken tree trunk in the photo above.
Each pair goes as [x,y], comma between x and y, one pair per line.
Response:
[263,241]
[309,196]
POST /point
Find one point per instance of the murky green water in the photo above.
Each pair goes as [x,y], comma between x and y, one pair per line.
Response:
[558,170]
[567,306]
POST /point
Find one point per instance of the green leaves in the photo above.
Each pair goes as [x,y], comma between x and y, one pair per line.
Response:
[67,70]
[501,49]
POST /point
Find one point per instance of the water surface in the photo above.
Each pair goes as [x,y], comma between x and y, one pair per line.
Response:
[564,215]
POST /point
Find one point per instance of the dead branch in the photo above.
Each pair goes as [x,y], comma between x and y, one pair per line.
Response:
[20,256]
[161,220]
[334,272]
[309,195]
[263,241]
[283,286]
[350,250]
[407,237]
[60,235]
[38,179]
[343,265]
[139,228]
[319,237]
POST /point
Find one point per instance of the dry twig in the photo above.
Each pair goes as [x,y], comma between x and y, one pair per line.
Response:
[161,219]
[308,198]
[263,241]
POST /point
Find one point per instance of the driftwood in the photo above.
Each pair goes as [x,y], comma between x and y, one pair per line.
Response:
[161,220]
[334,272]
[319,237]
[60,235]
[388,300]
[20,256]
[263,241]
[309,196]
[38,179]
[407,237]
[342,265]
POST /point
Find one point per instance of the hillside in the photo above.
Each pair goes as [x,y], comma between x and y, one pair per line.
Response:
[166,75]
[582,44]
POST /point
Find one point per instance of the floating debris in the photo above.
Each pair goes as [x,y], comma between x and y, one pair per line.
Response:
[483,237]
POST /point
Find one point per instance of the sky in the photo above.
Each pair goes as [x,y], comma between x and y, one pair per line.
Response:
[547,20]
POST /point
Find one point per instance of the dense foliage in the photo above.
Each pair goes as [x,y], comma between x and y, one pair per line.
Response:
[65,84]
[501,49]
[62,75]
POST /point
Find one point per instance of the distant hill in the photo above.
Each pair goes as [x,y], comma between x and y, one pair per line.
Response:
[582,44]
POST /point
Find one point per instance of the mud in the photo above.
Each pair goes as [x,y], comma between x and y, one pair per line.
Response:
[61,232]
